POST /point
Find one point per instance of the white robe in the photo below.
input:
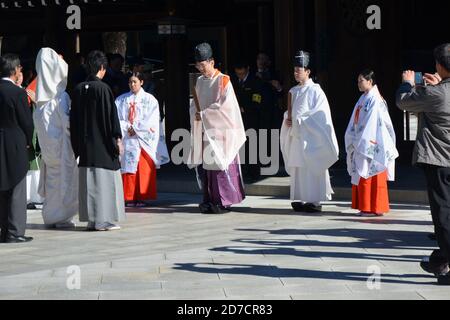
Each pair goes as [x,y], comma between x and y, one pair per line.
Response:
[217,139]
[33,196]
[370,139]
[310,146]
[147,127]
[59,171]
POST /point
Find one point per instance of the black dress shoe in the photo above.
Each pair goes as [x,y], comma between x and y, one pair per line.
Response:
[205,208]
[226,209]
[18,239]
[31,206]
[444,280]
[435,268]
[298,206]
[216,209]
[312,208]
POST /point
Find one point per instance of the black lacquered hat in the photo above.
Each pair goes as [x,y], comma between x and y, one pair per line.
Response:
[302,59]
[203,52]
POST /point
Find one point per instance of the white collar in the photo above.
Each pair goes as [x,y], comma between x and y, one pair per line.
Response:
[8,79]
[308,83]
[138,94]
[374,92]
[246,77]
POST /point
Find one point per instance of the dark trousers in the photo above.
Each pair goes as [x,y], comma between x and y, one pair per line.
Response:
[438,180]
[252,120]
[13,210]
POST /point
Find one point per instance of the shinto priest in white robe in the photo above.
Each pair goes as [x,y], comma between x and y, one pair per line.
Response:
[370,139]
[310,146]
[59,172]
[217,139]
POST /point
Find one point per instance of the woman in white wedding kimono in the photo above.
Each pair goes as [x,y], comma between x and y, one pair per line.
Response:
[59,172]
[371,152]
[139,117]
[308,140]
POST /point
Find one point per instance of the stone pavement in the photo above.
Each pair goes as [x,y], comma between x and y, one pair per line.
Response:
[261,251]
[409,186]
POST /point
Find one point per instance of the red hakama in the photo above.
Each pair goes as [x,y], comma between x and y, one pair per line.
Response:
[371,195]
[142,185]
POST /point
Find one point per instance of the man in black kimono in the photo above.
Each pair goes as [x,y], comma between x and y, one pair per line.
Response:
[96,139]
[16,132]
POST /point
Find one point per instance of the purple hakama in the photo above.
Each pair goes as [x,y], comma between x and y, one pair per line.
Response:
[223,188]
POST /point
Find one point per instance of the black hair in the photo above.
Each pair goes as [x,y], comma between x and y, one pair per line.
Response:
[95,61]
[369,75]
[442,55]
[138,75]
[8,64]
[242,65]
[116,56]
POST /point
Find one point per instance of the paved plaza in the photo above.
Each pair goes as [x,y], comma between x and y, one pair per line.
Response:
[261,251]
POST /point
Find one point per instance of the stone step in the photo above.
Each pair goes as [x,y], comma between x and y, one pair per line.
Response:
[279,187]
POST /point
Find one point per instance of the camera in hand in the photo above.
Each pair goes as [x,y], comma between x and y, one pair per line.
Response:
[419,78]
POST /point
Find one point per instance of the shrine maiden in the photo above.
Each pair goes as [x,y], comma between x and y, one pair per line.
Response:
[140,122]
[371,152]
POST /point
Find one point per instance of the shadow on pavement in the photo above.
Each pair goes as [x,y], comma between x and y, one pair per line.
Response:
[276,272]
[363,239]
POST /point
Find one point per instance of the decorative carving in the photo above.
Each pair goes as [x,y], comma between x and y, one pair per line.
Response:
[115,42]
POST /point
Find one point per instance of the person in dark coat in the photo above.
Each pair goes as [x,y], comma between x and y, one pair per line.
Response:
[432,150]
[96,138]
[249,92]
[16,133]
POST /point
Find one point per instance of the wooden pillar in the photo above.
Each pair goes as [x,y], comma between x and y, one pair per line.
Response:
[284,46]
[51,27]
[392,41]
[224,50]
[176,85]
[176,78]
[1,39]
[321,40]
[265,29]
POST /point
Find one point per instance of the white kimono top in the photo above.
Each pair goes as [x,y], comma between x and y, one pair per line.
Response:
[140,111]
[370,139]
[217,139]
[311,142]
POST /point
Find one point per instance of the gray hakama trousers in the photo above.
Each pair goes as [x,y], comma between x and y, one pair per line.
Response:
[101,196]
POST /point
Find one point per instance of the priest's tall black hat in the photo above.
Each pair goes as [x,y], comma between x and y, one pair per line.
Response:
[302,59]
[203,52]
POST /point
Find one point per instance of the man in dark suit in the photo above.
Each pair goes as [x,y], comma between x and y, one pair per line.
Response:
[16,132]
[273,91]
[249,92]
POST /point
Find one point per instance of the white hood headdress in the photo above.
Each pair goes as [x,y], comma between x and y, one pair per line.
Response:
[52,73]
